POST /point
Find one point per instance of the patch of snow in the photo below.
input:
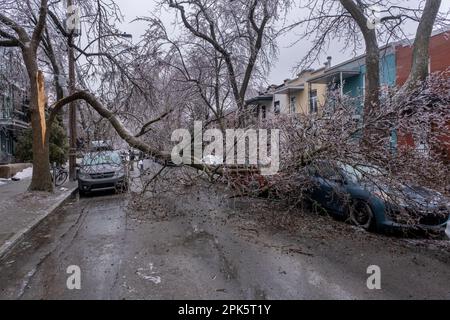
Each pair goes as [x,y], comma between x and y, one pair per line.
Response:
[27,173]
[154,279]
[212,160]
[148,274]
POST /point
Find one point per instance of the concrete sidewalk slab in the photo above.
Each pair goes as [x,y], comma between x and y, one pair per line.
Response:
[21,211]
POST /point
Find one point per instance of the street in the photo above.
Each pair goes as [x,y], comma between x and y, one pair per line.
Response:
[198,244]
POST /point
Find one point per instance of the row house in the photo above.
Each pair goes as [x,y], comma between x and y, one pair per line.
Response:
[395,65]
[308,91]
[14,104]
[296,95]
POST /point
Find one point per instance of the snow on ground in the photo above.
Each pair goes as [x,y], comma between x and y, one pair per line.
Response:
[27,173]
[4,181]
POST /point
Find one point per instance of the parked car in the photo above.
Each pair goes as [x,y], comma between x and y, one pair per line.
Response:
[103,170]
[348,193]
[101,145]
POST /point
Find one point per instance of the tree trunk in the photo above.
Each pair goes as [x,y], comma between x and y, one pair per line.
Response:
[41,179]
[421,56]
[371,135]
[372,98]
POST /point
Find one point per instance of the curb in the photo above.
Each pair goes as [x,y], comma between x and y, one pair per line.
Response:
[15,239]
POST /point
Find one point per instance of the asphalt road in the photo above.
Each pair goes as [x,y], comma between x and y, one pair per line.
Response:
[196,245]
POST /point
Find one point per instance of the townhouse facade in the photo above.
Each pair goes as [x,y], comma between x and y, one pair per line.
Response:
[349,77]
[14,104]
[293,96]
[308,92]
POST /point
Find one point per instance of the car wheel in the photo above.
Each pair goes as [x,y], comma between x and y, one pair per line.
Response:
[361,215]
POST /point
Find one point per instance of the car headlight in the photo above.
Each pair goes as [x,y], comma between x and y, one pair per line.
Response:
[120,172]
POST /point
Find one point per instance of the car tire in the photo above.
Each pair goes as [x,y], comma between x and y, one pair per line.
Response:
[361,215]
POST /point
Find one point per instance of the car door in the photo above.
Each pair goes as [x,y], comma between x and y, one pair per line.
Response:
[329,189]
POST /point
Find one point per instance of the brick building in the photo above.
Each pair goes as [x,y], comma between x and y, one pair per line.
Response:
[14,106]
[439,61]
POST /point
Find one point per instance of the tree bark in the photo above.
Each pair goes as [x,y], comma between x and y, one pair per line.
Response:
[41,179]
[372,97]
[118,126]
[421,56]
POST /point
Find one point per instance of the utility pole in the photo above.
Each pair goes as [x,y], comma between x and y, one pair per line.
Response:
[72,106]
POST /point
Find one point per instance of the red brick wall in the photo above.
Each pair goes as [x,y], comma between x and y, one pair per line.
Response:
[439,56]
[440,61]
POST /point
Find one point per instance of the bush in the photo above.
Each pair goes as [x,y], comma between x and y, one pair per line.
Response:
[59,146]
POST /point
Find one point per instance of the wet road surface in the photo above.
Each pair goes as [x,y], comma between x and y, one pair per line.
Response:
[201,249]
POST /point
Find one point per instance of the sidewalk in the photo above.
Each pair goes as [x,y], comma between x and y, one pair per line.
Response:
[21,211]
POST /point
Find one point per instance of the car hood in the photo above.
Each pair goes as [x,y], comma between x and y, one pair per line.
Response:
[425,197]
[409,196]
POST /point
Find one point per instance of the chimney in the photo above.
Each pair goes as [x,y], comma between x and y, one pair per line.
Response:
[328,63]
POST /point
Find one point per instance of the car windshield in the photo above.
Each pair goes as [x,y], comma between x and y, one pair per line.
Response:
[358,173]
[99,158]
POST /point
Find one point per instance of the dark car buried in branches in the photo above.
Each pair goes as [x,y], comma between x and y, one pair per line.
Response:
[359,194]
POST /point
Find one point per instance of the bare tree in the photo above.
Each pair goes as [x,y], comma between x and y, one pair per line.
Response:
[14,34]
[241,32]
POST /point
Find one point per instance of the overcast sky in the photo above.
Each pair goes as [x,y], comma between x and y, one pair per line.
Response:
[288,55]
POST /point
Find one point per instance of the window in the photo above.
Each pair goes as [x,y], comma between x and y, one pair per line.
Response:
[422,145]
[313,103]
[263,109]
[6,108]
[3,141]
[101,158]
[276,107]
[292,108]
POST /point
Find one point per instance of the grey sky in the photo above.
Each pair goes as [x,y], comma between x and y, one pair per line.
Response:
[288,55]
